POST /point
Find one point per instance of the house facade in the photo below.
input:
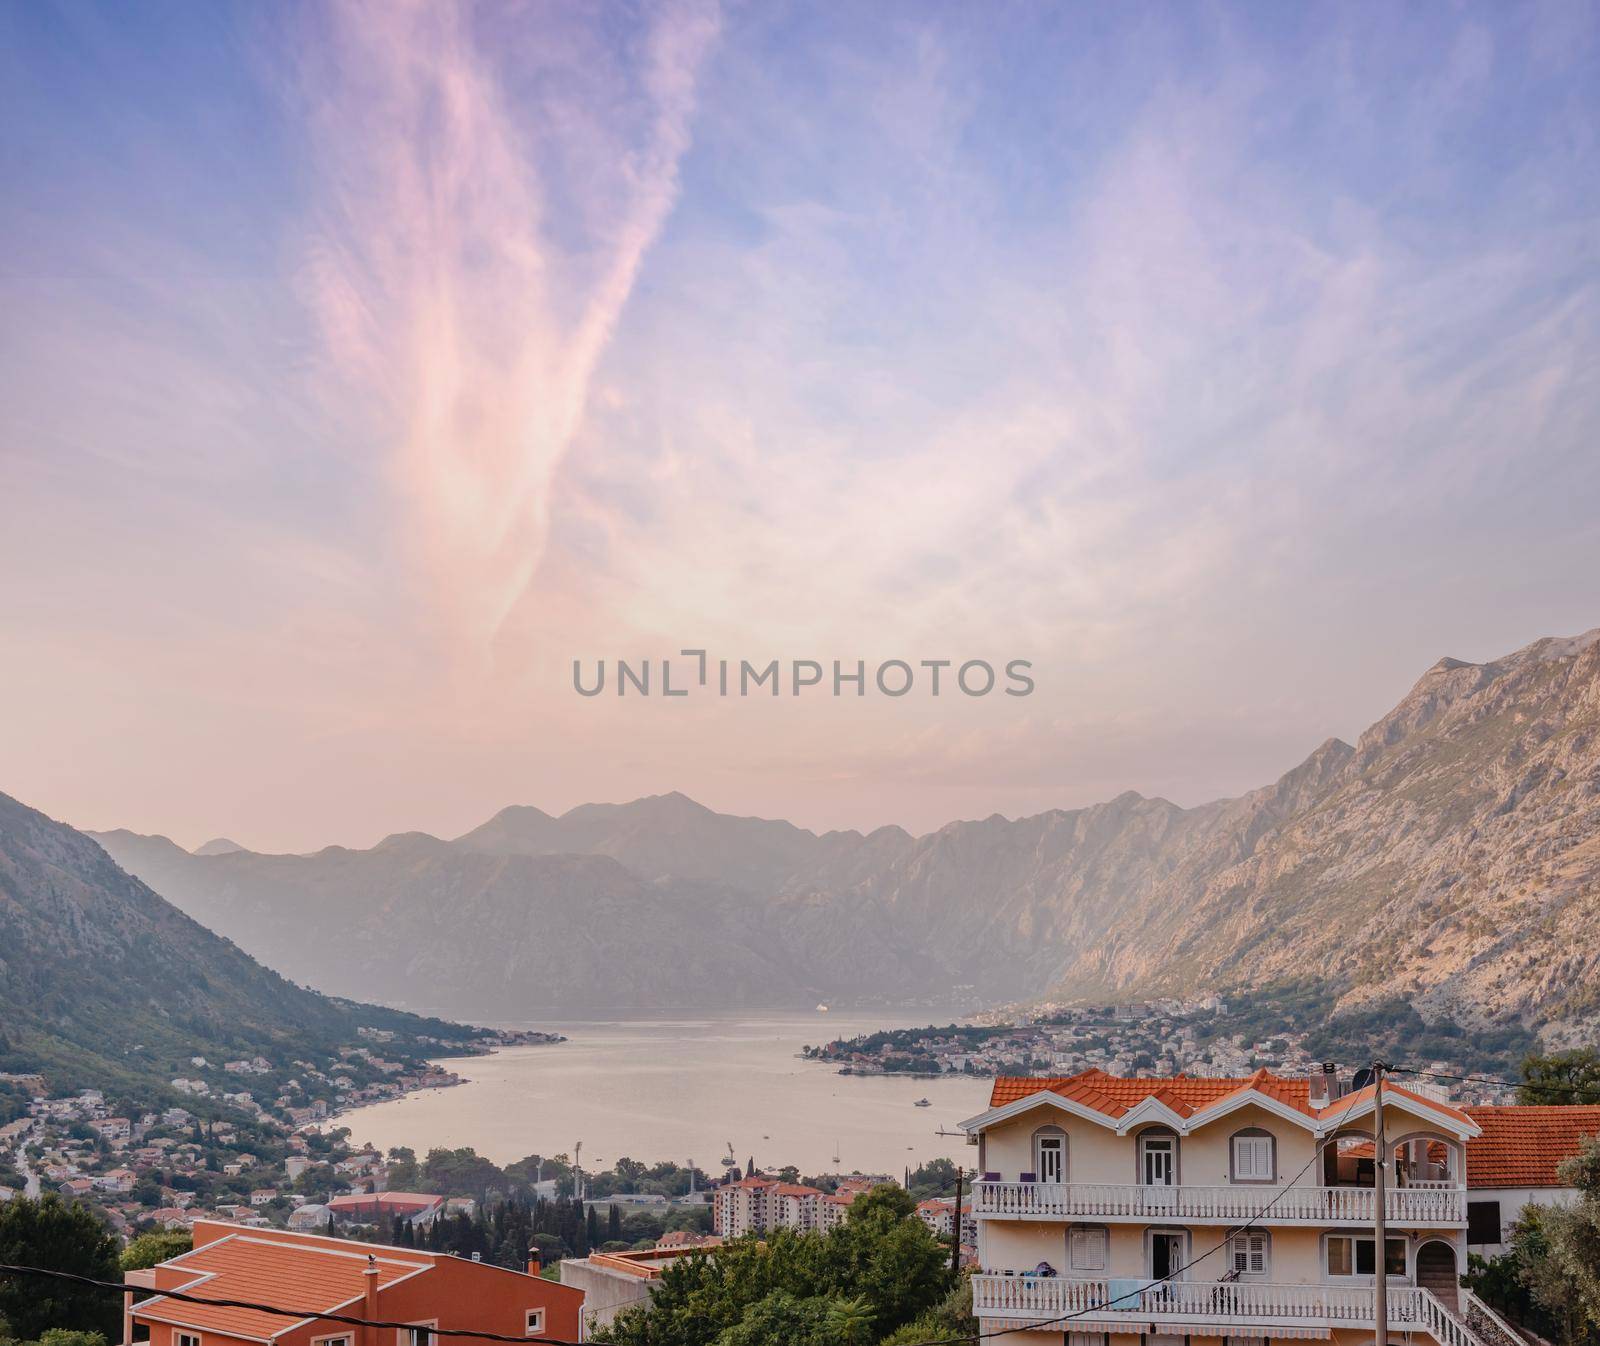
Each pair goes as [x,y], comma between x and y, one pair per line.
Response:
[279,1269]
[1517,1160]
[1109,1211]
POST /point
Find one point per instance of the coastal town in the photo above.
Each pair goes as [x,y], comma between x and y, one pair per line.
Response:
[1035,1226]
[253,1141]
[1203,1036]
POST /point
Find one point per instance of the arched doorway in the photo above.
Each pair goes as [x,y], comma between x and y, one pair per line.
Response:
[1436,1271]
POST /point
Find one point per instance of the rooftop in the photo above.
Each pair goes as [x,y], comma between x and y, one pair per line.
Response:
[1522,1145]
[273,1272]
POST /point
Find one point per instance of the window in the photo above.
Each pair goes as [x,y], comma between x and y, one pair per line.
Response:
[1483,1222]
[1253,1158]
[1247,1253]
[418,1334]
[1086,1249]
[1050,1155]
[1350,1255]
[186,1339]
[535,1322]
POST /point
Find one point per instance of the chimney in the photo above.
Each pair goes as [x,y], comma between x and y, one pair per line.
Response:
[533,1261]
[370,1299]
[1330,1080]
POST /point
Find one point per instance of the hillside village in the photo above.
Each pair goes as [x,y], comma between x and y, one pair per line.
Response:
[1201,1036]
[255,1142]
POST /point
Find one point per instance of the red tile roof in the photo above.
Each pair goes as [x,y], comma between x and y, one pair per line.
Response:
[1115,1095]
[1522,1145]
[267,1271]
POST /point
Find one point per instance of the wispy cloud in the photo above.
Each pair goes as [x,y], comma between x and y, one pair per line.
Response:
[473,250]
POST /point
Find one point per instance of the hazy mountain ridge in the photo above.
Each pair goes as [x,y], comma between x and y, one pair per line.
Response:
[104,983]
[1453,853]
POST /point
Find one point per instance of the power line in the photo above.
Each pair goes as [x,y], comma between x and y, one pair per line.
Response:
[121,1287]
[1554,1086]
[1227,1238]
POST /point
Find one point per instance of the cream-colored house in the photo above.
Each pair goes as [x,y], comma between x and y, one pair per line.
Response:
[1107,1210]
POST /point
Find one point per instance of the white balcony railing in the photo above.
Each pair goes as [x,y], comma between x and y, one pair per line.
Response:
[1219,1304]
[1430,1207]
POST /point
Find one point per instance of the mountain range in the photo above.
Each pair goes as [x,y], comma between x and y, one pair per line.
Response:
[104,984]
[1450,857]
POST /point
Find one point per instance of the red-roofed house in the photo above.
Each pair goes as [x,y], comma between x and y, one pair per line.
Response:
[1118,1200]
[1515,1161]
[309,1274]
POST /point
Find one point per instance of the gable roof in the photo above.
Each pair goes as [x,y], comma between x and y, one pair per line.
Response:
[274,1272]
[1125,1102]
[1185,1095]
[1522,1145]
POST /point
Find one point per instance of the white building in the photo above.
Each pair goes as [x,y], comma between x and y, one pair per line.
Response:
[1514,1162]
[1109,1210]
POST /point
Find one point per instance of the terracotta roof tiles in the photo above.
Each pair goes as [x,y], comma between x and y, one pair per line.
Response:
[1115,1095]
[279,1274]
[1522,1145]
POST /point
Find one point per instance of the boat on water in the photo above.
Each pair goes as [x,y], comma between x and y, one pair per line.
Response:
[922,1103]
[822,1009]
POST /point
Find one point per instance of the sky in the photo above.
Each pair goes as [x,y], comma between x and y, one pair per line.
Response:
[364,365]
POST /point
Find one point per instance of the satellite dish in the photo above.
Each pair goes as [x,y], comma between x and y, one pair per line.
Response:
[1364,1077]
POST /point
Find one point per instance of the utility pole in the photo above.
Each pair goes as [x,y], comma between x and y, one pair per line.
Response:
[1380,1146]
[955,1228]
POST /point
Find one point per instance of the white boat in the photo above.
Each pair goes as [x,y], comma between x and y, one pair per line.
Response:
[922,1103]
[822,1009]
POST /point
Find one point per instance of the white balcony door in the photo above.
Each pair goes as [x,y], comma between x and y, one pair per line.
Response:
[1052,1152]
[1157,1161]
[1166,1255]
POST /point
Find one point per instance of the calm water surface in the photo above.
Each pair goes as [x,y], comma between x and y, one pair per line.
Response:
[682,1088]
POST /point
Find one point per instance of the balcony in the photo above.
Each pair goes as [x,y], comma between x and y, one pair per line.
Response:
[1209,1307]
[1430,1207]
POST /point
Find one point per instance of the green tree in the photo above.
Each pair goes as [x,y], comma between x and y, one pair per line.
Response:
[880,1271]
[1562,1077]
[53,1235]
[65,1336]
[850,1320]
[462,1172]
[1556,1251]
[157,1246]
[404,1175]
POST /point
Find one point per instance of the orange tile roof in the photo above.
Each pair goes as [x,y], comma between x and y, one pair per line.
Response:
[1115,1095]
[268,1271]
[1521,1145]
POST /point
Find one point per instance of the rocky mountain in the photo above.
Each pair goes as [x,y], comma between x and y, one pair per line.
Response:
[104,983]
[1452,856]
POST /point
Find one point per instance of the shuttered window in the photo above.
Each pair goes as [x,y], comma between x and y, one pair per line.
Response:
[1252,1159]
[1247,1253]
[1087,1250]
